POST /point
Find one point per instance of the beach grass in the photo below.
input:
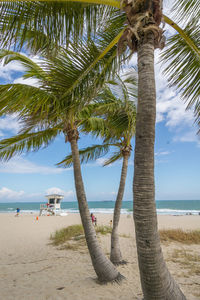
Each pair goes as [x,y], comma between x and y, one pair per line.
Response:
[178,235]
[103,229]
[188,260]
[66,234]
[73,238]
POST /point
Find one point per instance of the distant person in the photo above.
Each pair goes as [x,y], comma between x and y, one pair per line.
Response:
[93,219]
[110,223]
[17,212]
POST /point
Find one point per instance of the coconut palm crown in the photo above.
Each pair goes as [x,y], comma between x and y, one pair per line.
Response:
[116,125]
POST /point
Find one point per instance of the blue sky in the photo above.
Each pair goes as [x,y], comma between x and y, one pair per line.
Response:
[177,156]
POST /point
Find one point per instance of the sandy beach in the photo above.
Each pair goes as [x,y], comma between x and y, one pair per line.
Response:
[33,269]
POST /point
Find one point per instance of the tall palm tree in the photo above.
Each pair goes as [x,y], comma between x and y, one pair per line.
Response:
[51,108]
[142,33]
[116,102]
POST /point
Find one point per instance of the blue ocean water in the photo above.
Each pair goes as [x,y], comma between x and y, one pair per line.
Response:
[164,207]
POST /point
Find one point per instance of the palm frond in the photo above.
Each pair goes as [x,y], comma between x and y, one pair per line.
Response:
[125,86]
[116,156]
[84,70]
[70,76]
[183,65]
[186,9]
[94,125]
[26,142]
[87,154]
[32,69]
[57,19]
[23,99]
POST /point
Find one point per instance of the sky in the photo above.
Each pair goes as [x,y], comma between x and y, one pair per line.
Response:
[30,177]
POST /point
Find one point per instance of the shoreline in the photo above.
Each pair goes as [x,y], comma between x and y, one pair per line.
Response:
[103,212]
[163,207]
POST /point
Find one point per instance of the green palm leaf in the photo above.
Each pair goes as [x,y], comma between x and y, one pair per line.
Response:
[110,117]
[22,98]
[57,19]
[94,125]
[63,79]
[32,69]
[87,154]
[184,10]
[116,156]
[26,142]
[49,104]
[183,65]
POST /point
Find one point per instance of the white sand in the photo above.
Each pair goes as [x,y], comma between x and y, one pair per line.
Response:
[32,269]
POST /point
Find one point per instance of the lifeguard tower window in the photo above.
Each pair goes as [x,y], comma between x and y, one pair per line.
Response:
[51,201]
[58,201]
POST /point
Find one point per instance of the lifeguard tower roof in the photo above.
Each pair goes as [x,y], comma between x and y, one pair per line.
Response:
[55,196]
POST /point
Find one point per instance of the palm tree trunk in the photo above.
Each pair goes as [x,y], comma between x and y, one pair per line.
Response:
[115,254]
[157,283]
[103,267]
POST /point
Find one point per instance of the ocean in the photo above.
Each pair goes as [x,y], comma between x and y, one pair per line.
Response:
[164,207]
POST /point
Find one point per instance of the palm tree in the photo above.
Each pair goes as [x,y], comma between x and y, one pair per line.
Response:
[116,102]
[142,33]
[50,109]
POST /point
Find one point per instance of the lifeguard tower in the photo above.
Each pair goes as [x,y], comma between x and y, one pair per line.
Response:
[53,205]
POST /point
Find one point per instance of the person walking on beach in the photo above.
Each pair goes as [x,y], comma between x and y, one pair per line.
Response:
[94,219]
[17,212]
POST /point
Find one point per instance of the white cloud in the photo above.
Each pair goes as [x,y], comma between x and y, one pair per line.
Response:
[28,81]
[6,72]
[19,165]
[6,193]
[161,153]
[55,190]
[178,116]
[9,123]
[100,161]
[171,109]
[161,156]
[188,136]
[167,4]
